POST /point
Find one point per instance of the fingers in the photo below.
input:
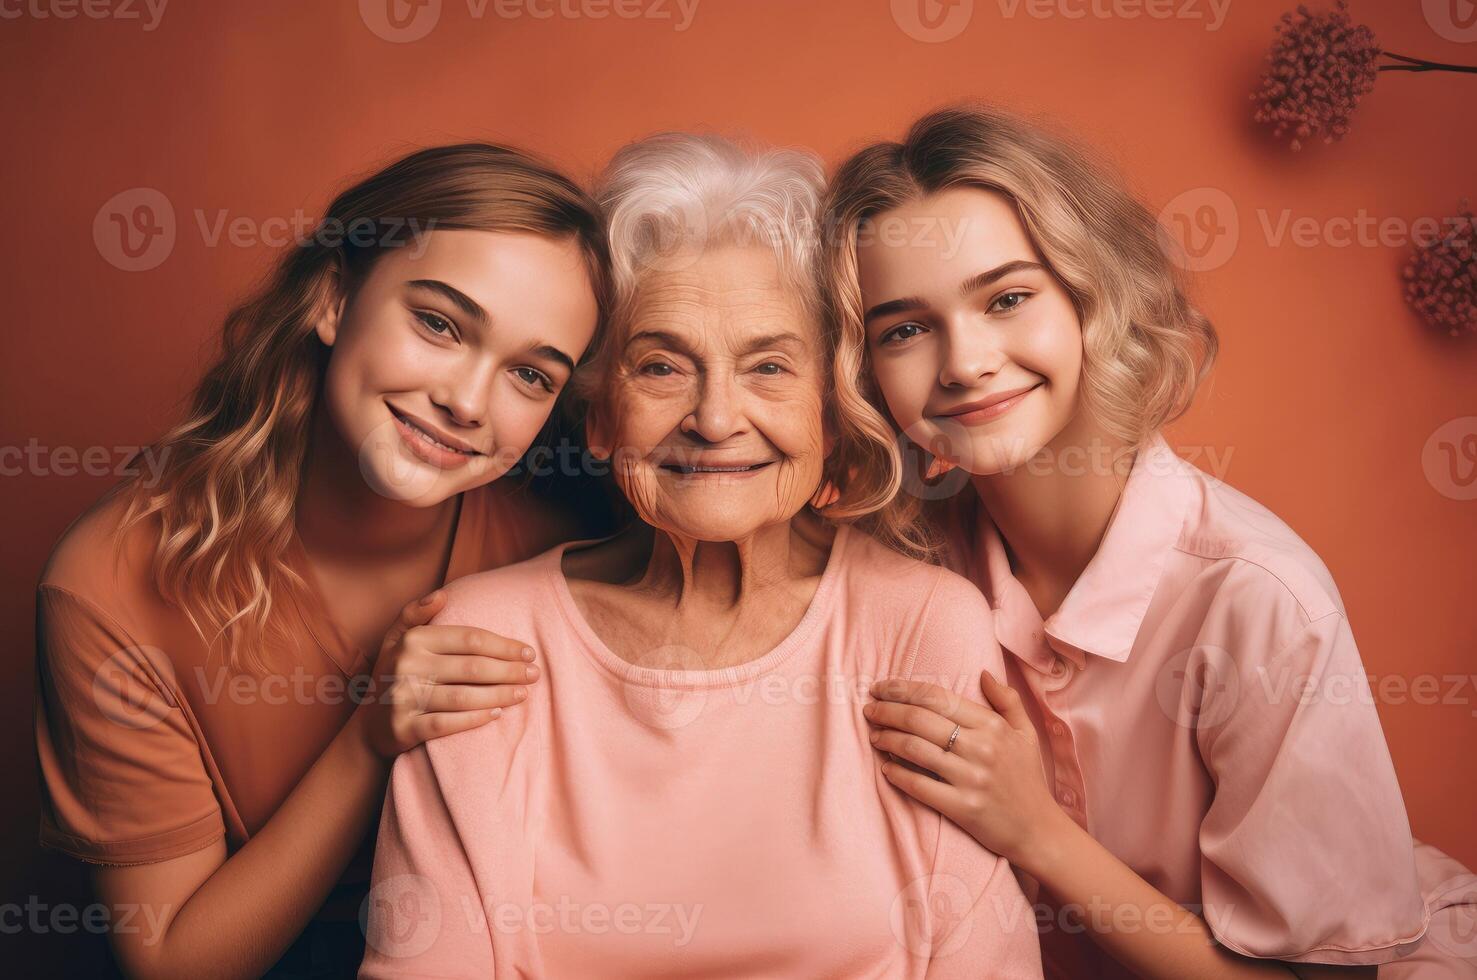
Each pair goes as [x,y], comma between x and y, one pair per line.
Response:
[922,752]
[471,640]
[417,612]
[941,701]
[455,698]
[450,668]
[930,792]
[423,728]
[911,719]
[1006,700]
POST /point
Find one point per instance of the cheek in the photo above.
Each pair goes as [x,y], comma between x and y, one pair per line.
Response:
[905,383]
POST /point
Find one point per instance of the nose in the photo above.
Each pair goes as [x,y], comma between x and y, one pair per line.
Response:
[718,413]
[970,352]
[465,393]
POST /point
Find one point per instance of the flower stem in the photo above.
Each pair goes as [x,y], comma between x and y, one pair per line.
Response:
[1421,64]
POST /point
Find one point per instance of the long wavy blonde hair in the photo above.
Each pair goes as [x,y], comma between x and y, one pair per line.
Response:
[226,498]
[1146,348]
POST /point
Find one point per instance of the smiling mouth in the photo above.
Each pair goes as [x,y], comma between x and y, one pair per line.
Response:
[695,470]
[426,437]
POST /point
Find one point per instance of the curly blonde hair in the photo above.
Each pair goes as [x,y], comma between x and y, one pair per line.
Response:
[1146,348]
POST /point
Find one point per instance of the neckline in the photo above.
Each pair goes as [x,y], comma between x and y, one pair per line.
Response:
[325,630]
[629,673]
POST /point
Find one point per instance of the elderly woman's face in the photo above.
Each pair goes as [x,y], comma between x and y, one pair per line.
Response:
[716,398]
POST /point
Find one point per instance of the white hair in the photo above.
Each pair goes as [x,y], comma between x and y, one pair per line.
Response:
[671,193]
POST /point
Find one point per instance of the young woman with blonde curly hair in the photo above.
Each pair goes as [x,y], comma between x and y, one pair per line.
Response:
[1150,764]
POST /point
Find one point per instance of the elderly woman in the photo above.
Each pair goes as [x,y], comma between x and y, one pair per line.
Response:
[690,790]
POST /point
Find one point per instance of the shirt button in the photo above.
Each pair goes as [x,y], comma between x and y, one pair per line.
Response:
[1069,798]
[1059,668]
[1058,729]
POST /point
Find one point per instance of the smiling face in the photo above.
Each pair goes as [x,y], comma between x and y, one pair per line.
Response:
[713,409]
[447,359]
[974,344]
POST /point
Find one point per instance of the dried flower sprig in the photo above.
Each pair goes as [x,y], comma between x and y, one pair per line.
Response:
[1441,277]
[1319,68]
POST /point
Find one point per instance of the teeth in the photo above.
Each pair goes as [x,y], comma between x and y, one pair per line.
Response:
[716,469]
[427,437]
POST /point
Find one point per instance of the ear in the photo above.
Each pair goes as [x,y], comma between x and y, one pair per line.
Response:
[328,321]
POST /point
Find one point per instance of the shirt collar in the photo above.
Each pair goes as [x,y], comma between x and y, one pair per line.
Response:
[1102,613]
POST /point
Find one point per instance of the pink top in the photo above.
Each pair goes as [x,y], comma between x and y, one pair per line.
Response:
[1205,715]
[632,821]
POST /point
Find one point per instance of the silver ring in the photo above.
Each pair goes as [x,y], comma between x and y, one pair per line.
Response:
[953,737]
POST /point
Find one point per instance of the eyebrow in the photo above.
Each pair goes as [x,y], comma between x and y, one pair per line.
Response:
[473,309]
[668,339]
[455,296]
[971,285]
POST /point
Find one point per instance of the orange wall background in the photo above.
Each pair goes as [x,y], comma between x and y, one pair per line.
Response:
[1322,406]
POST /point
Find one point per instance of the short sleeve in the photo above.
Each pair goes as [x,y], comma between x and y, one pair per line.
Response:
[1306,849]
[425,915]
[978,922]
[123,779]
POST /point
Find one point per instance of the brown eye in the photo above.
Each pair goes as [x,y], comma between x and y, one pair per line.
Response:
[438,325]
[1010,301]
[905,331]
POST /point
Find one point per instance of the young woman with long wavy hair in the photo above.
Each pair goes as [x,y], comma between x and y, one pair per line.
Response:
[1153,764]
[230,656]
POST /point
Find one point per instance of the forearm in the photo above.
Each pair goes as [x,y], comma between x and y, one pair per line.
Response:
[1132,920]
[251,908]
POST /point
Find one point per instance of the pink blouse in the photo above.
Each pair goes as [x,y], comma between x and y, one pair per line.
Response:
[1205,715]
[641,821]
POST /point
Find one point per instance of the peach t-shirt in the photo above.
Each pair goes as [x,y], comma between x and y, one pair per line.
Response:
[1205,715]
[632,821]
[150,749]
